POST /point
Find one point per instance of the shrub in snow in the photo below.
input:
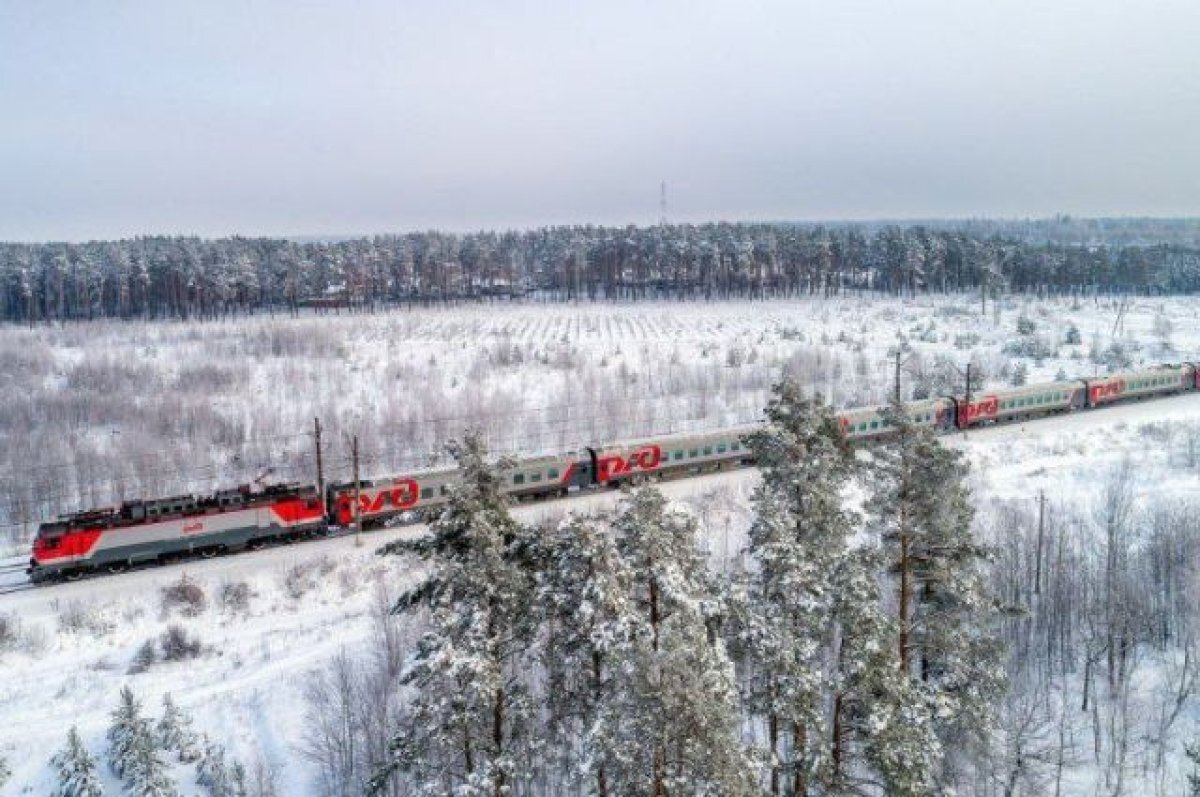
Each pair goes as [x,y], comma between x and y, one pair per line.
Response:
[176,645]
[1020,374]
[1035,347]
[185,595]
[5,772]
[1072,337]
[303,577]
[10,629]
[235,597]
[76,770]
[144,659]
[1026,325]
[76,617]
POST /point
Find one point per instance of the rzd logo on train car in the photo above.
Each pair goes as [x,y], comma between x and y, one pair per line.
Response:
[195,527]
[397,498]
[988,408]
[645,458]
[1108,390]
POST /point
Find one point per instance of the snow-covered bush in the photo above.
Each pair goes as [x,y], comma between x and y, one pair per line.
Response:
[144,658]
[176,644]
[10,630]
[185,595]
[235,597]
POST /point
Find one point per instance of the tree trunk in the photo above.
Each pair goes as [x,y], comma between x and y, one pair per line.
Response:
[799,774]
[905,589]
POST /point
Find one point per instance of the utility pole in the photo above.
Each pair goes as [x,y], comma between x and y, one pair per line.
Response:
[320,467]
[897,377]
[357,494]
[967,420]
[1037,568]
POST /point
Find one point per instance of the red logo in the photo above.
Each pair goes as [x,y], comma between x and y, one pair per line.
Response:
[396,498]
[1108,390]
[195,527]
[645,458]
[988,408]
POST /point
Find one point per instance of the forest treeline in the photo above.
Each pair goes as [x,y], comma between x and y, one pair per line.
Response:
[182,277]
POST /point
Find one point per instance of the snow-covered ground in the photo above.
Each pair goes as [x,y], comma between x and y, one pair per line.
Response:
[94,412]
[73,644]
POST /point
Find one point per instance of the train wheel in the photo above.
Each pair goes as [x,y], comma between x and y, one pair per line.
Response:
[73,575]
[209,553]
[117,567]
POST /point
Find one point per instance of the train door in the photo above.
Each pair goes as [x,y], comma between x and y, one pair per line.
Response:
[584,473]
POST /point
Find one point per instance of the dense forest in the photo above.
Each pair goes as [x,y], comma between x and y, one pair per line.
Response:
[179,277]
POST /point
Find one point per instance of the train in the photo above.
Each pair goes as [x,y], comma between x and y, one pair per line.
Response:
[158,530]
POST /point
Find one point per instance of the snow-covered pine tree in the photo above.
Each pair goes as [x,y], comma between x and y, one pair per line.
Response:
[468,722]
[76,769]
[5,772]
[237,779]
[212,773]
[679,712]
[588,628]
[128,725]
[946,638]
[797,544]
[880,721]
[146,772]
[175,732]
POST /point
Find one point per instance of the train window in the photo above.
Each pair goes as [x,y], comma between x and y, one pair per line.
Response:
[427,493]
[445,490]
[536,476]
[874,424]
[552,473]
[708,451]
[735,446]
[519,478]
[677,455]
[862,427]
[695,452]
[721,448]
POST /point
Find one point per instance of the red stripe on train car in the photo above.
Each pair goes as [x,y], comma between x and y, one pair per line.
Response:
[71,544]
[296,510]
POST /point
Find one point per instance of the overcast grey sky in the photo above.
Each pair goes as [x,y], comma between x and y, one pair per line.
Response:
[259,117]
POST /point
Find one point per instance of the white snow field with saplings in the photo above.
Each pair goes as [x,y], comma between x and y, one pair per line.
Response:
[94,413]
[239,641]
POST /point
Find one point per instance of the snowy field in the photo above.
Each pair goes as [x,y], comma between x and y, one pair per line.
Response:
[92,413]
[72,647]
[169,405]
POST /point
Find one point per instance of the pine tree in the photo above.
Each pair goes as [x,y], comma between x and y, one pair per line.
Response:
[584,596]
[175,732]
[128,725]
[76,769]
[879,717]
[5,772]
[945,641]
[1192,752]
[679,711]
[212,773]
[798,542]
[468,721]
[146,773]
[133,751]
